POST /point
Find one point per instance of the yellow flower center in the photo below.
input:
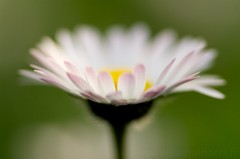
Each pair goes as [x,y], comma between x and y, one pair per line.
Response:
[116,73]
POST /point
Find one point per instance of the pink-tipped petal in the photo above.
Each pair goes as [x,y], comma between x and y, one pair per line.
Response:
[92,79]
[70,67]
[29,74]
[106,82]
[153,92]
[184,60]
[79,82]
[203,81]
[43,59]
[47,74]
[193,75]
[89,97]
[39,56]
[179,69]
[126,84]
[164,72]
[38,68]
[73,69]
[207,80]
[94,97]
[178,83]
[98,97]
[57,68]
[54,83]
[139,74]
[116,98]
[48,62]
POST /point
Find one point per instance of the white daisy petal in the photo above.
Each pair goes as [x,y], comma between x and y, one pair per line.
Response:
[124,67]
[207,80]
[54,83]
[203,81]
[140,76]
[79,82]
[73,49]
[126,84]
[164,73]
[106,82]
[70,67]
[89,41]
[153,92]
[116,40]
[116,95]
[65,40]
[48,62]
[162,42]
[29,74]
[47,74]
[94,97]
[50,49]
[40,57]
[92,79]
[209,92]
[138,36]
[73,69]
[44,71]
[178,83]
[116,98]
[205,61]
[179,70]
[57,82]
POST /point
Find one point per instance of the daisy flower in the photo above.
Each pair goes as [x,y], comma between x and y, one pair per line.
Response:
[123,66]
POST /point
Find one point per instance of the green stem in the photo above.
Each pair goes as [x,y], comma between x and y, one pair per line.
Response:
[118,131]
[119,117]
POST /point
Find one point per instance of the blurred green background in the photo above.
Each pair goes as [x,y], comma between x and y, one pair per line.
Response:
[38,122]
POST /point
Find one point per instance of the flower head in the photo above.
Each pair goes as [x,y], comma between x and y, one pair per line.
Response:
[124,66]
